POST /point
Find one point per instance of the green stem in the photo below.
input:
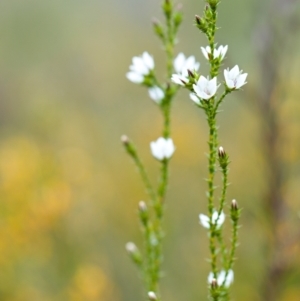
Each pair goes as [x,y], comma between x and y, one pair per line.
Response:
[144,177]
[211,188]
[226,92]
[169,46]
[233,244]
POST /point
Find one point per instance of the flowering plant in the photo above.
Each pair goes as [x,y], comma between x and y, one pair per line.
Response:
[183,72]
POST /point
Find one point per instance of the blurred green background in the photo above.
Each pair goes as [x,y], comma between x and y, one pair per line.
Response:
[69,193]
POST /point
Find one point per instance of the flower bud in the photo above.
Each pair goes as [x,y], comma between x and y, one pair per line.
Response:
[213,3]
[167,8]
[152,296]
[201,24]
[125,140]
[134,253]
[191,74]
[142,206]
[129,147]
[221,152]
[198,19]
[235,211]
[234,205]
[223,158]
[143,213]
[177,19]
[131,248]
[158,28]
[214,284]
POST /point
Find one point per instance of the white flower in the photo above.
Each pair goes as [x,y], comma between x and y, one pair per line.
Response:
[216,218]
[194,98]
[131,247]
[221,278]
[181,66]
[179,79]
[206,88]
[156,94]
[218,53]
[162,148]
[140,67]
[152,296]
[234,78]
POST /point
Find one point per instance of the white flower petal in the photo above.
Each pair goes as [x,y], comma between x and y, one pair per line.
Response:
[223,51]
[169,148]
[241,80]
[194,98]
[135,77]
[148,60]
[156,94]
[139,66]
[229,278]
[221,277]
[234,72]
[178,79]
[183,64]
[205,53]
[204,221]
[179,62]
[210,277]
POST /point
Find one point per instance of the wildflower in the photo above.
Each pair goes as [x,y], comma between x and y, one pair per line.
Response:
[156,94]
[131,248]
[218,53]
[234,78]
[222,278]
[181,66]
[141,66]
[216,218]
[162,148]
[152,296]
[206,88]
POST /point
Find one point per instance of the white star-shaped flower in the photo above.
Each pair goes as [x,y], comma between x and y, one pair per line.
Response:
[162,148]
[140,67]
[216,218]
[218,53]
[234,78]
[181,66]
[221,278]
[156,94]
[206,88]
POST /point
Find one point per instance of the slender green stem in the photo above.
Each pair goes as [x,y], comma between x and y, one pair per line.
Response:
[226,92]
[211,188]
[156,237]
[233,243]
[131,150]
[222,246]
[224,190]
[144,177]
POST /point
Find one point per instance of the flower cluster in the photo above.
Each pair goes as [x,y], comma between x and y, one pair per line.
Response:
[140,68]
[141,72]
[216,219]
[184,67]
[218,53]
[204,88]
[224,278]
